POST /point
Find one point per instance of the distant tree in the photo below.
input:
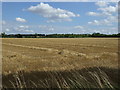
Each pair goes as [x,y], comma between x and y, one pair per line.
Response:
[19,36]
[3,34]
[36,35]
[57,35]
[118,34]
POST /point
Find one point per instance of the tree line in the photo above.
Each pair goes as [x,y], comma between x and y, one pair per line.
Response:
[4,35]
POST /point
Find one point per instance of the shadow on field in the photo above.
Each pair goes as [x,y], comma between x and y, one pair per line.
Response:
[94,77]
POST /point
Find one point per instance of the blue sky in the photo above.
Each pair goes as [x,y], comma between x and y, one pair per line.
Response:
[59,17]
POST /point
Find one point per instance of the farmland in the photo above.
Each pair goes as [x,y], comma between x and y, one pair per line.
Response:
[58,55]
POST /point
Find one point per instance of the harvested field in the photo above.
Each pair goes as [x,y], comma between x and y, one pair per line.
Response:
[60,55]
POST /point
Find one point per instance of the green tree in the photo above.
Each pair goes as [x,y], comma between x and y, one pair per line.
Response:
[3,34]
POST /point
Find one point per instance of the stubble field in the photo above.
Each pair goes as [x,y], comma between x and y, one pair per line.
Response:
[46,59]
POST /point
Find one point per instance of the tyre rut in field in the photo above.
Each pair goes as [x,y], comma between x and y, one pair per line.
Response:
[63,52]
[60,52]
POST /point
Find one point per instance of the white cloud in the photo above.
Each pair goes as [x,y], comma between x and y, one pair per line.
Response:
[109,9]
[51,29]
[93,14]
[29,31]
[79,27]
[24,26]
[103,30]
[95,22]
[42,26]
[107,21]
[46,27]
[23,29]
[113,19]
[89,22]
[102,3]
[107,12]
[100,22]
[7,30]
[105,8]
[20,19]
[53,14]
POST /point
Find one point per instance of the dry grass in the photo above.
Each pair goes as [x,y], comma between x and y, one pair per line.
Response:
[85,78]
[61,63]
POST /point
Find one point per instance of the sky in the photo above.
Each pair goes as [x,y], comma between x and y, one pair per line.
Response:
[59,17]
[58,0]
